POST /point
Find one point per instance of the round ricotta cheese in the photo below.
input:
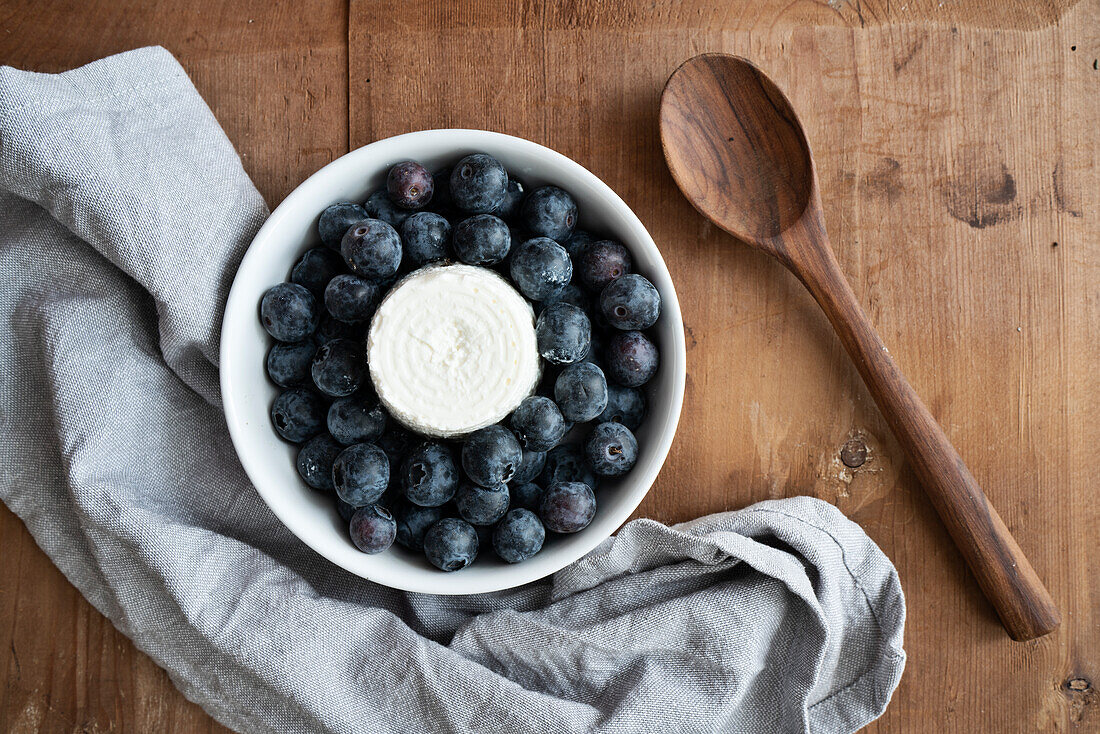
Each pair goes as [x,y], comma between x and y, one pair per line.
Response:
[452,349]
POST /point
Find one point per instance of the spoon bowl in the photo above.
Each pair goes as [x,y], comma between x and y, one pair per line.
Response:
[736,149]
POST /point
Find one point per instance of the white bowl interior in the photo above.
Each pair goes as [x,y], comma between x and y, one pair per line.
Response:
[247,394]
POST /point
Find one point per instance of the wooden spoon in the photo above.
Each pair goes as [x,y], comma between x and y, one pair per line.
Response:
[737,150]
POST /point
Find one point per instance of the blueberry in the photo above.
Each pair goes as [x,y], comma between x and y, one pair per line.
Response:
[540,268]
[482,505]
[413,522]
[518,536]
[630,302]
[315,459]
[428,475]
[361,473]
[372,529]
[570,294]
[298,414]
[427,237]
[372,249]
[567,507]
[549,212]
[336,220]
[356,419]
[482,240]
[632,359]
[563,334]
[625,405]
[479,184]
[566,464]
[315,268]
[396,442]
[339,367]
[595,353]
[451,544]
[333,328]
[288,362]
[527,495]
[611,449]
[410,185]
[576,243]
[603,262]
[344,510]
[491,456]
[581,392]
[379,206]
[289,312]
[529,467]
[513,199]
[538,424]
[351,299]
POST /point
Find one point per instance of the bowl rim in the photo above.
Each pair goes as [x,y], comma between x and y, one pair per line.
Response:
[236,307]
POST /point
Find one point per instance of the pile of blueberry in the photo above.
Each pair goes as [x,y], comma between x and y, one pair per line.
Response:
[504,485]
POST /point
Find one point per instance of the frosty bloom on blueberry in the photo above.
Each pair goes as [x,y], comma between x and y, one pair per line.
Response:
[461,363]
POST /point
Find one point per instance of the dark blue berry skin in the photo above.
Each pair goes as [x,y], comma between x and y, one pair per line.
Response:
[410,185]
[491,456]
[479,184]
[632,359]
[596,350]
[298,414]
[513,199]
[566,464]
[527,495]
[351,299]
[344,510]
[315,268]
[372,249]
[429,476]
[339,367]
[518,536]
[603,262]
[441,202]
[379,206]
[315,459]
[567,507]
[549,212]
[563,334]
[538,424]
[372,529]
[451,544]
[630,303]
[611,449]
[396,442]
[356,419]
[413,522]
[336,220]
[360,474]
[570,294]
[529,467]
[427,237]
[482,240]
[581,392]
[482,505]
[289,312]
[576,244]
[625,405]
[288,362]
[333,328]
[540,268]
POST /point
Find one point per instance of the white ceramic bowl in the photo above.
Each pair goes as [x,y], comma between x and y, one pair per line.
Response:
[247,394]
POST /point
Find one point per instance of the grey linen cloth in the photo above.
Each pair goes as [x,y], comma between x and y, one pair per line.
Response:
[124,211]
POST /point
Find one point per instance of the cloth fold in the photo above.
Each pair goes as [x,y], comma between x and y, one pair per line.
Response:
[124,211]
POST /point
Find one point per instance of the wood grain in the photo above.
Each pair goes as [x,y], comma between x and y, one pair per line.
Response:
[910,121]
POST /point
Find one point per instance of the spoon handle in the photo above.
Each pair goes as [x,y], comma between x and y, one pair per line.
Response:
[1003,572]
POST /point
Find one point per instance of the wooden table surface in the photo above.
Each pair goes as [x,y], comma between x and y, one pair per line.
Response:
[957,151]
